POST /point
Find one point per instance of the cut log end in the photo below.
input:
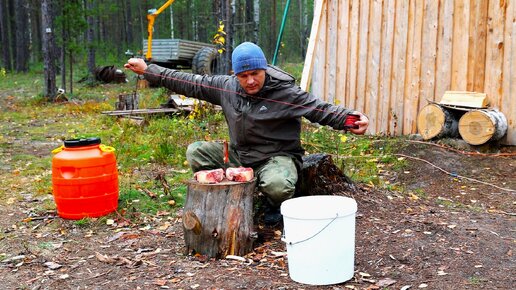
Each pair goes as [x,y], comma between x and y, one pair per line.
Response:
[480,126]
[435,121]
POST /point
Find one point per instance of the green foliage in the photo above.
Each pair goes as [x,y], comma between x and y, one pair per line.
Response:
[137,201]
[295,69]
[362,158]
[82,223]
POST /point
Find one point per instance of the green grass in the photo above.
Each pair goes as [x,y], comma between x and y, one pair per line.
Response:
[29,125]
[85,222]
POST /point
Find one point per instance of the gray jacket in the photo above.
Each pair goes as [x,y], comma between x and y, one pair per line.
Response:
[260,126]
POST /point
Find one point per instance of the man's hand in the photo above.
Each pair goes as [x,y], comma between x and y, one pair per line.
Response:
[137,65]
[362,123]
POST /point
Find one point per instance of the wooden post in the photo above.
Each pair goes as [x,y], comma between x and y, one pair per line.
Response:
[477,127]
[308,66]
[218,218]
[435,121]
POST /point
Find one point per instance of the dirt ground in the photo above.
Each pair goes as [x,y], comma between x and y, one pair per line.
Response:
[439,232]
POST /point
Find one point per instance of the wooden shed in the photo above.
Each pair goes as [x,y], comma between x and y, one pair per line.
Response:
[389,58]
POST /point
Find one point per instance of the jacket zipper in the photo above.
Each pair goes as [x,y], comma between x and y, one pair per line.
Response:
[244,117]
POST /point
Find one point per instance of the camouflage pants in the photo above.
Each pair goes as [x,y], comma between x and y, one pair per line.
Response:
[276,178]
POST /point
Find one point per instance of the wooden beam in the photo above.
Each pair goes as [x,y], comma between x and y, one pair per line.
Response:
[308,66]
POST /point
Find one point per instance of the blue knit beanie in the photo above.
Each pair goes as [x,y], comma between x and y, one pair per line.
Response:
[248,56]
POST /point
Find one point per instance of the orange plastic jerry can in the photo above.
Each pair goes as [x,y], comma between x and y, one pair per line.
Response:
[84,179]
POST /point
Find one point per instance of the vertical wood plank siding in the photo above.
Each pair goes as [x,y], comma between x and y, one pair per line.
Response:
[388,58]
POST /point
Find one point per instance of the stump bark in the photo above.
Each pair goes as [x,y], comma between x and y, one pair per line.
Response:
[320,176]
[218,218]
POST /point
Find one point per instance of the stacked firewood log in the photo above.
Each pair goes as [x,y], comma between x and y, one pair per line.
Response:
[464,114]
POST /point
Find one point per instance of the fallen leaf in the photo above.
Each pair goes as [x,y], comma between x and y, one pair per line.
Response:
[452,226]
[15,258]
[441,273]
[175,280]
[160,282]
[104,258]
[115,237]
[110,222]
[278,254]
[386,282]
[164,227]
[406,287]
[236,258]
[52,265]
[64,276]
[423,285]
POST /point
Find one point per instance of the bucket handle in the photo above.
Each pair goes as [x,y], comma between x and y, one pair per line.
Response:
[283,238]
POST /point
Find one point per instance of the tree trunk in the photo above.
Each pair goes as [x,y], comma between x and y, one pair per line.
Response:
[71,73]
[129,23]
[171,22]
[256,20]
[48,49]
[22,36]
[12,30]
[35,33]
[90,38]
[218,218]
[64,35]
[303,20]
[272,30]
[229,14]
[6,40]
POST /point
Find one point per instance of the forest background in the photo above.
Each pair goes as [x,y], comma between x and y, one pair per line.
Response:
[90,33]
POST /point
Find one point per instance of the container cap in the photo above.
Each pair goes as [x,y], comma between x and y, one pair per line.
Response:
[71,143]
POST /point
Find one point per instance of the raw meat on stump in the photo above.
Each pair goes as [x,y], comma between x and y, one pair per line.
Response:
[209,176]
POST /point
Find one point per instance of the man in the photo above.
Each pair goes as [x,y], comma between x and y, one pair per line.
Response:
[263,109]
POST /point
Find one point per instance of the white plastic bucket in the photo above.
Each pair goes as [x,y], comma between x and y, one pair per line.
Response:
[320,235]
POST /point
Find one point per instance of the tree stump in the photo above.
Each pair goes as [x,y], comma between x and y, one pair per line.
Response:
[320,176]
[127,102]
[218,218]
[436,121]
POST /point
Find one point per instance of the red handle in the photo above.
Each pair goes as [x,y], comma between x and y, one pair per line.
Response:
[226,152]
[350,121]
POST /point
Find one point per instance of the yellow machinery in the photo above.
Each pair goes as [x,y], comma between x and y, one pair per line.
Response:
[175,53]
[150,26]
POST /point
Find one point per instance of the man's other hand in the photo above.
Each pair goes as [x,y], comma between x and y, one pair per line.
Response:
[137,65]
